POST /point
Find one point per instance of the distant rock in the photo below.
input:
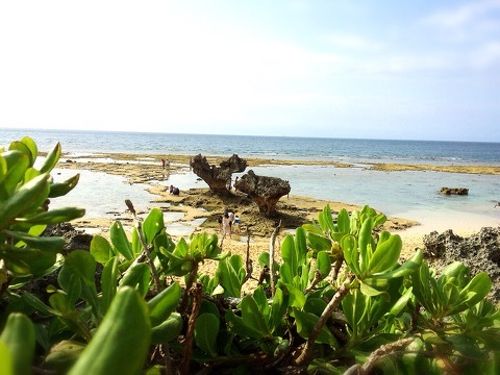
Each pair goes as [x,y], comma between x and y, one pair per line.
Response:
[218,178]
[264,191]
[454,191]
[480,252]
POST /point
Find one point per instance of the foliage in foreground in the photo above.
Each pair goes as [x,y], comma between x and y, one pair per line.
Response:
[338,299]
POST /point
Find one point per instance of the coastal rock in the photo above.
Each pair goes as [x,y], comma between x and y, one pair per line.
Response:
[263,190]
[479,252]
[75,239]
[454,191]
[217,178]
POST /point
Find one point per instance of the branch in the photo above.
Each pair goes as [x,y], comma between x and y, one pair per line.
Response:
[338,265]
[196,293]
[383,351]
[305,356]
[271,255]
[317,279]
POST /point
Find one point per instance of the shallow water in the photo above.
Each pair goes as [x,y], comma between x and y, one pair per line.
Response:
[100,193]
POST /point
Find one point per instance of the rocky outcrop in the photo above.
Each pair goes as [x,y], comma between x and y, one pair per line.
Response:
[74,239]
[480,252]
[454,191]
[218,178]
[263,190]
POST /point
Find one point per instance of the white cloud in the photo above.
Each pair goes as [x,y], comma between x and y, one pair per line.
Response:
[486,55]
[462,15]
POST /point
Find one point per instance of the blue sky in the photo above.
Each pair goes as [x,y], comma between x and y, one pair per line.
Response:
[346,68]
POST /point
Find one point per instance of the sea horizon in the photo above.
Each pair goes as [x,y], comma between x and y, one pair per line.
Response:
[350,150]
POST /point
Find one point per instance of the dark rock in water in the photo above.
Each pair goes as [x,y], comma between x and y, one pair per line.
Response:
[218,178]
[263,190]
[75,239]
[480,252]
[454,191]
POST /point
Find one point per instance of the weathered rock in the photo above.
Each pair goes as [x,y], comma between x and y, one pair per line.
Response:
[454,191]
[75,239]
[263,190]
[218,178]
[480,252]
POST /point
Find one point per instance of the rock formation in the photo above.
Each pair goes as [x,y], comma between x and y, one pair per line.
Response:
[480,252]
[217,178]
[74,239]
[454,191]
[263,190]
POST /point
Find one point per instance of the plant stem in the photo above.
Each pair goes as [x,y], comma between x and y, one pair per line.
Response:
[147,253]
[381,352]
[305,356]
[248,263]
[272,243]
[189,283]
[196,293]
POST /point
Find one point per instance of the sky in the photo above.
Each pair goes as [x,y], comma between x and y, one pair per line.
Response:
[327,68]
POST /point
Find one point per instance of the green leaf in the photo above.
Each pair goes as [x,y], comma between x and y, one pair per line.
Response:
[21,147]
[82,264]
[153,225]
[231,274]
[30,196]
[164,303]
[109,279]
[59,189]
[253,316]
[6,366]
[168,330]
[343,222]
[324,263]
[43,243]
[305,322]
[17,163]
[401,302]
[120,241]
[56,216]
[241,327]
[205,333]
[137,276]
[121,342]
[386,254]
[319,243]
[31,145]
[101,249]
[365,240]
[19,337]
[51,159]
[288,253]
[407,268]
[476,290]
[28,261]
[367,290]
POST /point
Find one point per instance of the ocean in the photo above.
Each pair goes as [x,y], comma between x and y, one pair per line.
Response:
[347,150]
[408,194]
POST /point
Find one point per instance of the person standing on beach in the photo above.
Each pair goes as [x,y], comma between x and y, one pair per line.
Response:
[226,225]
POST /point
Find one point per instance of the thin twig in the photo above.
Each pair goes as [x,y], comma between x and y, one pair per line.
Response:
[316,280]
[196,294]
[249,263]
[189,283]
[306,353]
[338,265]
[271,255]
